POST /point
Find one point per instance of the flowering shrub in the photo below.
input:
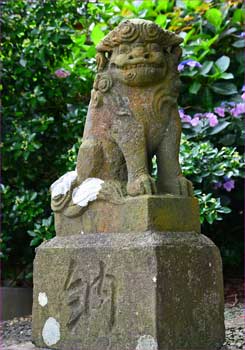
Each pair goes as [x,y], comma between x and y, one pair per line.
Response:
[48,52]
[212,170]
[207,165]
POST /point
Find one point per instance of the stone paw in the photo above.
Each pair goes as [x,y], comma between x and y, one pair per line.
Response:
[113,191]
[185,187]
[178,186]
[144,184]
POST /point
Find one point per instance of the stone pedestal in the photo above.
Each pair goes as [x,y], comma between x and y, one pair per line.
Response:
[134,214]
[147,290]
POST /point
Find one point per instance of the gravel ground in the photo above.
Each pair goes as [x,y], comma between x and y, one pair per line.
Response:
[16,333]
[234,324]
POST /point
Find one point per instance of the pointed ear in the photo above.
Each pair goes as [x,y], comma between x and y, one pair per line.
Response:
[177,52]
[101,61]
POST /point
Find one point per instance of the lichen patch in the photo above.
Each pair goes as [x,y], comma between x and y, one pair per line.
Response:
[146,342]
[87,191]
[42,299]
[51,331]
[63,184]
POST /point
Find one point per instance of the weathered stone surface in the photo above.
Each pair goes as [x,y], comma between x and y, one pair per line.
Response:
[128,269]
[149,291]
[132,117]
[134,214]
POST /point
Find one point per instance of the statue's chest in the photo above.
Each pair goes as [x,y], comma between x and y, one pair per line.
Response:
[142,108]
[147,110]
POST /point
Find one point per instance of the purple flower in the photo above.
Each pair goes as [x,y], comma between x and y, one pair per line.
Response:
[187,118]
[217,185]
[62,73]
[220,111]
[243,88]
[190,63]
[238,109]
[181,67]
[193,63]
[242,35]
[184,117]
[229,185]
[181,113]
[243,96]
[198,115]
[212,118]
[194,121]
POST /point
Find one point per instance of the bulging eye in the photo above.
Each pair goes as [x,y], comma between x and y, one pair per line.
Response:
[124,49]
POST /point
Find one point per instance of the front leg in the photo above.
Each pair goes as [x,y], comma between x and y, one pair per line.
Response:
[129,135]
[170,178]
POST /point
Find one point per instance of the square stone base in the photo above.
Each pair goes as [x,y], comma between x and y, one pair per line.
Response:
[145,291]
[134,214]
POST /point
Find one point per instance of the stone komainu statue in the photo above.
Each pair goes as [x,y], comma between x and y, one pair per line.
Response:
[132,115]
[129,270]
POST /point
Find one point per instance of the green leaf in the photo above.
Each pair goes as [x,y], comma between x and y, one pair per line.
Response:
[228,32]
[97,34]
[224,88]
[161,20]
[207,98]
[164,6]
[226,210]
[214,16]
[189,73]
[78,39]
[188,35]
[238,16]
[210,218]
[22,62]
[31,233]
[219,127]
[211,41]
[192,4]
[219,173]
[239,43]
[198,179]
[223,63]
[227,76]
[195,87]
[206,67]
[91,52]
[35,241]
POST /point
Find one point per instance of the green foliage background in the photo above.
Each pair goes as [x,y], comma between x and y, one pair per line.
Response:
[44,115]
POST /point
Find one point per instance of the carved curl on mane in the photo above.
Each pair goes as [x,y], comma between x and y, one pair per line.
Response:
[130,30]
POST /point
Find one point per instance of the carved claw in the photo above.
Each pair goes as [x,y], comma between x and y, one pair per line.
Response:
[144,184]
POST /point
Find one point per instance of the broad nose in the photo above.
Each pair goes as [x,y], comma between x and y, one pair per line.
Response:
[139,52]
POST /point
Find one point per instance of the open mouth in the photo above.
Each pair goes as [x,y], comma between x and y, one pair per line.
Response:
[138,65]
